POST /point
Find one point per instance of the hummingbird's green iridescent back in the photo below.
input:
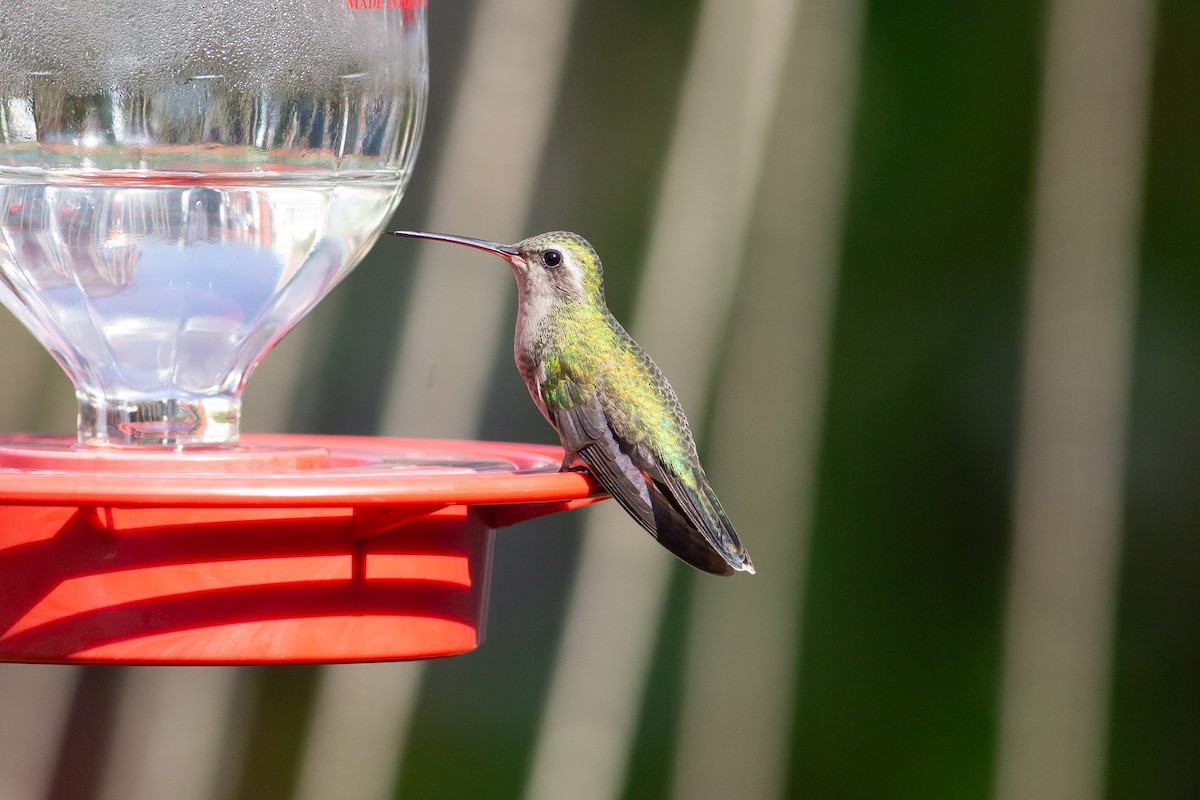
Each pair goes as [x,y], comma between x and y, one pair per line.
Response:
[589,353]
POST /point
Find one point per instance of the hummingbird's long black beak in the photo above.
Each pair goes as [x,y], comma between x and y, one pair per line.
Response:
[504,250]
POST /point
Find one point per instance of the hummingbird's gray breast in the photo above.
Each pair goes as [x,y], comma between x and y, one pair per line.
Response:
[529,346]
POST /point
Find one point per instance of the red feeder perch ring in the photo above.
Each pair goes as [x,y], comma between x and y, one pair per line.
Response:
[289,549]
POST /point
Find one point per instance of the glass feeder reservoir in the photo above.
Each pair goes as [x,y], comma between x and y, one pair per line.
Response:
[181,183]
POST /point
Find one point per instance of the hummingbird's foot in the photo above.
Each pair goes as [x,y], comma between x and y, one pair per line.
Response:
[572,463]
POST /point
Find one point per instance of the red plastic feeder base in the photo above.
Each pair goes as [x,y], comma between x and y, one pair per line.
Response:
[290,549]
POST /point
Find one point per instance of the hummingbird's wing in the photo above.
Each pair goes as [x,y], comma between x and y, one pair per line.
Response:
[635,479]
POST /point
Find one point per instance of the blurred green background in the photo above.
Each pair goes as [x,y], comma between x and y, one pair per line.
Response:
[878,197]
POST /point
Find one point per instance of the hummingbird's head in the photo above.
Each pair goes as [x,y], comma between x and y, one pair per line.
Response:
[559,267]
[551,268]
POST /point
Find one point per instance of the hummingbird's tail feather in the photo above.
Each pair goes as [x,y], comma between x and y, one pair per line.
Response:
[699,505]
[676,532]
[690,525]
[654,505]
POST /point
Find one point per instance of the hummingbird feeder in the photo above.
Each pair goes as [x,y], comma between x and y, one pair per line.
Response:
[162,226]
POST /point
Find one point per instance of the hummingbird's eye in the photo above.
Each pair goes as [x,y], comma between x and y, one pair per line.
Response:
[552,258]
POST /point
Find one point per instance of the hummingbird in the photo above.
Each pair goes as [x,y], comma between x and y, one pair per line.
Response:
[614,412]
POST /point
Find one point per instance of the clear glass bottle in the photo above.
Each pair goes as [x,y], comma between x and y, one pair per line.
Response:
[181,182]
